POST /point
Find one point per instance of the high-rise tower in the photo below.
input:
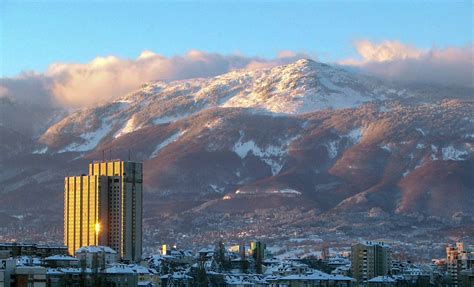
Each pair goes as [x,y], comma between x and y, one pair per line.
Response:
[369,260]
[105,208]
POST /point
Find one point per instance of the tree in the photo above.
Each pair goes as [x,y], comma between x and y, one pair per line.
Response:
[219,256]
[258,262]
[200,275]
[244,264]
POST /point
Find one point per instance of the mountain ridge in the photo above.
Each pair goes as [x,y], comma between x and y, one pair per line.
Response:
[220,150]
[304,86]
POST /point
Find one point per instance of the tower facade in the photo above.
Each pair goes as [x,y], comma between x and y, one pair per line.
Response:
[369,260]
[105,208]
[458,259]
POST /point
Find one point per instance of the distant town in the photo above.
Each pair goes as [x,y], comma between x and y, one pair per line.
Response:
[247,264]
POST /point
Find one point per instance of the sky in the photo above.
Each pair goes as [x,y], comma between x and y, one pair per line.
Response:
[36,34]
[78,53]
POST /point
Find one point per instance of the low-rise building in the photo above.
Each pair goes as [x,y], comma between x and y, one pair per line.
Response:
[382,281]
[176,279]
[29,276]
[6,269]
[146,275]
[314,279]
[13,273]
[466,278]
[56,261]
[96,256]
[17,249]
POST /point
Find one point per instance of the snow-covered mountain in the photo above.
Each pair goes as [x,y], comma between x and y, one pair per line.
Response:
[301,87]
[303,145]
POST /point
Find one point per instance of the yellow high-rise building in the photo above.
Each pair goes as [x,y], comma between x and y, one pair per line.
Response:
[105,208]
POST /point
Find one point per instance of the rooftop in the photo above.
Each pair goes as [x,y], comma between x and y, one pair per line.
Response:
[96,249]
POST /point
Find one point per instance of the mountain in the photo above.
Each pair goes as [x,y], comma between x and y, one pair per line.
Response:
[302,148]
[303,86]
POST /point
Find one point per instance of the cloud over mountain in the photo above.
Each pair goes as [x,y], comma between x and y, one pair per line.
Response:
[103,78]
[393,60]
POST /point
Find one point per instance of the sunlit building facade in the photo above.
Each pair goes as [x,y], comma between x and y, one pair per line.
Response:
[105,208]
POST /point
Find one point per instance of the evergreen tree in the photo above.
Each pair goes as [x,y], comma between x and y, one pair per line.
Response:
[219,256]
[201,279]
[244,264]
[258,262]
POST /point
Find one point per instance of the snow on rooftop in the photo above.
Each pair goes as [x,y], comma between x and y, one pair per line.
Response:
[382,279]
[96,249]
[141,269]
[61,258]
[316,276]
[68,270]
[119,269]
[27,260]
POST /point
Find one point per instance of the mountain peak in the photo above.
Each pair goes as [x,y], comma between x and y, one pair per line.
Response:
[300,87]
[305,61]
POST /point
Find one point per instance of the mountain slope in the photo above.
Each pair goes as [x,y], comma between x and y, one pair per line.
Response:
[259,153]
[303,86]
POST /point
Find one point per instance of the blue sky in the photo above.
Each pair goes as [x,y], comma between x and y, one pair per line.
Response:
[34,35]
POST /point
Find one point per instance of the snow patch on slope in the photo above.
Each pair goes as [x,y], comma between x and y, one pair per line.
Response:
[216,188]
[90,140]
[167,119]
[271,154]
[355,135]
[286,191]
[332,149]
[387,147]
[434,152]
[166,142]
[422,132]
[130,126]
[41,151]
[420,146]
[451,153]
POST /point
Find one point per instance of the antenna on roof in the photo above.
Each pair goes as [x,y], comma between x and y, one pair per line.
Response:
[129,156]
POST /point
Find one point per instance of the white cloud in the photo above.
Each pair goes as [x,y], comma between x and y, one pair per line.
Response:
[393,60]
[104,78]
[385,51]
